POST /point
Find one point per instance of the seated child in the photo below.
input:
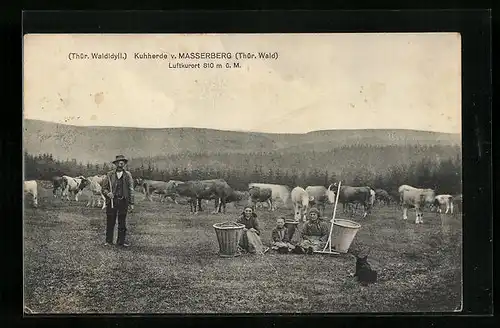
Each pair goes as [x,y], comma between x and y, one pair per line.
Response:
[280,237]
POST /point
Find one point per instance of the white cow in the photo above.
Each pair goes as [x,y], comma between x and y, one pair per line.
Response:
[96,190]
[74,186]
[441,201]
[300,200]
[415,197]
[31,188]
[278,192]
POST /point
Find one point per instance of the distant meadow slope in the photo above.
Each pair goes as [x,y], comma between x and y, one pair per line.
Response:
[332,150]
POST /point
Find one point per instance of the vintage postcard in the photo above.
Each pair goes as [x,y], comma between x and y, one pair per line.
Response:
[242,173]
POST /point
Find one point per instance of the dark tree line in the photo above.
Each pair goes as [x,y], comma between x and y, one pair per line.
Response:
[443,175]
[373,158]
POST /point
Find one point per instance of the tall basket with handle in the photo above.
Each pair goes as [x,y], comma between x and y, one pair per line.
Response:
[342,232]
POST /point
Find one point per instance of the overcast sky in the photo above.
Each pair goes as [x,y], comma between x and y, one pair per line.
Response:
[318,82]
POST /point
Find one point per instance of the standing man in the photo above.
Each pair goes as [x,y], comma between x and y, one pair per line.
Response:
[118,187]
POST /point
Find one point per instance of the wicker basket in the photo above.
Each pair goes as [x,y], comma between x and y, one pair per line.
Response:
[228,236]
[343,233]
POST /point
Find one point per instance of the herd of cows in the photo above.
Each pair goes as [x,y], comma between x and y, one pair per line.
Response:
[271,194]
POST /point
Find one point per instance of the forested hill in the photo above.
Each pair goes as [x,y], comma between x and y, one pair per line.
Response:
[346,160]
[100,144]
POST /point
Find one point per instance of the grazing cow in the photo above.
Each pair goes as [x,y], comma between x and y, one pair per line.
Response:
[261,195]
[279,192]
[235,197]
[349,195]
[58,185]
[415,197]
[197,190]
[382,197]
[319,196]
[371,202]
[74,186]
[441,201]
[31,187]
[95,187]
[164,189]
[300,200]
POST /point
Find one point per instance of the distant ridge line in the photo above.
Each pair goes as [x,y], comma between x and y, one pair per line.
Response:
[97,144]
[238,131]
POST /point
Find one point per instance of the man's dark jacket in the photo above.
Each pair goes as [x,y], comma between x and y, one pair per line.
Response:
[128,185]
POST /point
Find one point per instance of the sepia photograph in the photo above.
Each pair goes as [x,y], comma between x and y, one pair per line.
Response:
[242,173]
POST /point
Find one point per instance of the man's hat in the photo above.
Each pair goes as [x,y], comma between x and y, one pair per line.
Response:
[120,158]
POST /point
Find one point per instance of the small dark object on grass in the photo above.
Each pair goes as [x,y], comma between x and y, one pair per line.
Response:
[283,250]
[298,250]
[364,271]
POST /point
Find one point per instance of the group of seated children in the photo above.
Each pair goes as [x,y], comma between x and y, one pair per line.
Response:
[312,236]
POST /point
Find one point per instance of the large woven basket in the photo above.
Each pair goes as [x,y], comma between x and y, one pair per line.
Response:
[228,236]
[343,233]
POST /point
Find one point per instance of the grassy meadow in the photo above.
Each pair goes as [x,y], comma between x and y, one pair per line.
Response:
[173,265]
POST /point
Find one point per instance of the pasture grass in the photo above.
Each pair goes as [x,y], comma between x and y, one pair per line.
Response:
[173,266]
